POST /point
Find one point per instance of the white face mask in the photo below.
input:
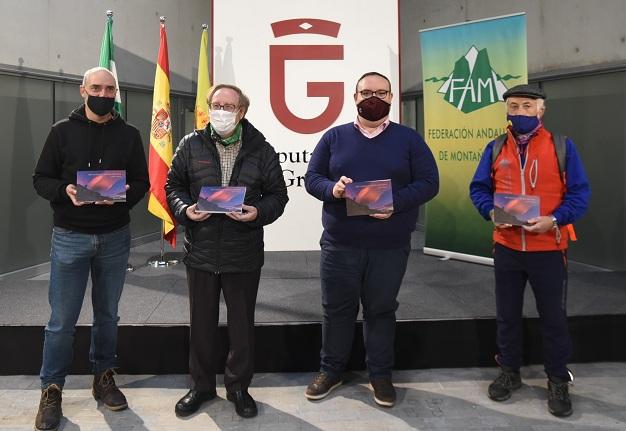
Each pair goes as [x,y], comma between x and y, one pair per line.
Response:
[223,122]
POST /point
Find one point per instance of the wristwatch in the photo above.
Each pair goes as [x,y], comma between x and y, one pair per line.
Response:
[554,223]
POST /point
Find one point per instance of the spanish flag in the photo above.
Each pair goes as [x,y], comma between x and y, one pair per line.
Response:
[161,142]
[202,107]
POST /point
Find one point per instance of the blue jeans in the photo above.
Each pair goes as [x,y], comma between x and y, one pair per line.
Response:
[73,256]
[373,277]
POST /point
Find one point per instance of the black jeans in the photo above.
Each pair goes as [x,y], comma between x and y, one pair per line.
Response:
[372,276]
[240,291]
[547,273]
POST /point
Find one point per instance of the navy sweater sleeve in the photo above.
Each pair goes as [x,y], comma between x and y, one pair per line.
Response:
[316,180]
[424,179]
[576,199]
[481,187]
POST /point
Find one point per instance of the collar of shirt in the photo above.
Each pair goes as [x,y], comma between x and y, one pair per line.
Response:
[369,135]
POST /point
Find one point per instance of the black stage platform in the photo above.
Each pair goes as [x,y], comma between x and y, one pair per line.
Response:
[446,317]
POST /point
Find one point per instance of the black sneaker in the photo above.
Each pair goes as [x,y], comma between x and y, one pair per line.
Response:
[559,403]
[502,387]
[384,392]
[104,389]
[49,413]
[321,386]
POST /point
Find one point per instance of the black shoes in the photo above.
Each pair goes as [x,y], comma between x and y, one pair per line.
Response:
[192,401]
[559,403]
[502,387]
[321,386]
[244,403]
[384,392]
[49,413]
[104,389]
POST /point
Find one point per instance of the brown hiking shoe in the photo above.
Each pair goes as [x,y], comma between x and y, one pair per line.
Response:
[104,389]
[321,386]
[49,413]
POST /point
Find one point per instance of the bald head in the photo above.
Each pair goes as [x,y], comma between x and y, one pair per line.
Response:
[99,70]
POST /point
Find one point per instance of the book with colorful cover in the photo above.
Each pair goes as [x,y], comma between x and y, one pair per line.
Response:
[369,197]
[222,200]
[98,186]
[515,210]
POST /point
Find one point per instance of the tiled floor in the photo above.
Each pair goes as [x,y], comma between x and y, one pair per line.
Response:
[436,399]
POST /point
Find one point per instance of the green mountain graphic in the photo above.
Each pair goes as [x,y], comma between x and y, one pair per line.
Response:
[473,84]
[435,79]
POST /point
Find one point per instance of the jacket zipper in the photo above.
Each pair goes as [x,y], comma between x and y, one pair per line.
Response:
[522,168]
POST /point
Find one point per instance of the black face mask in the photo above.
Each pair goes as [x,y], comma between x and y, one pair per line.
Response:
[100,105]
[373,108]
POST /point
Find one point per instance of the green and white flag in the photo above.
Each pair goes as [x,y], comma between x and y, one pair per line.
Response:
[107,58]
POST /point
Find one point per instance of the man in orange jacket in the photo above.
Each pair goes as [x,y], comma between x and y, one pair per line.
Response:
[527,162]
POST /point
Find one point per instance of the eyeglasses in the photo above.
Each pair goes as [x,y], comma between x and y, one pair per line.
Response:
[228,107]
[366,94]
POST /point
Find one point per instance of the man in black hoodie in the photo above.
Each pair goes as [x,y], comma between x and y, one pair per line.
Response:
[87,237]
[224,252]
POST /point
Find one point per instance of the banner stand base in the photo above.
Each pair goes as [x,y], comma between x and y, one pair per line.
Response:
[446,254]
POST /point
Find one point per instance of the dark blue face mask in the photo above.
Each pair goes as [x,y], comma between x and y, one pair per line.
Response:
[523,124]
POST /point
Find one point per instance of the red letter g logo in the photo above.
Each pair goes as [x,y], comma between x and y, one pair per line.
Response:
[280,53]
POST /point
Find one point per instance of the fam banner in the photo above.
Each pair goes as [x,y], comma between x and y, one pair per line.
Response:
[466,69]
[298,62]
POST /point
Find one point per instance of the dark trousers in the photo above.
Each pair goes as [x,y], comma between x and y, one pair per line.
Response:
[240,290]
[547,273]
[372,276]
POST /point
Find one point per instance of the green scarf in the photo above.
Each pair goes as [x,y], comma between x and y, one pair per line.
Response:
[232,139]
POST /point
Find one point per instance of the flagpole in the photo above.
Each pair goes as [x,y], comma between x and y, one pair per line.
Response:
[106,38]
[162,260]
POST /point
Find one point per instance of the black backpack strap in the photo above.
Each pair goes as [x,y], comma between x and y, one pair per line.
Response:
[561,152]
[497,147]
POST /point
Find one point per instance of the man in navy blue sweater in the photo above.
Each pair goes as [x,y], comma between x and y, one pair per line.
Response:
[364,257]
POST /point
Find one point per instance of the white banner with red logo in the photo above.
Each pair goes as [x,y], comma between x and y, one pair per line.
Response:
[298,62]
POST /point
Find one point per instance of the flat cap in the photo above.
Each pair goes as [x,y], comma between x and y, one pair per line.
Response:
[525,90]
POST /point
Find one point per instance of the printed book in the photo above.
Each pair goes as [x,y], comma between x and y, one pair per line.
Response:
[515,210]
[97,186]
[215,199]
[369,197]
